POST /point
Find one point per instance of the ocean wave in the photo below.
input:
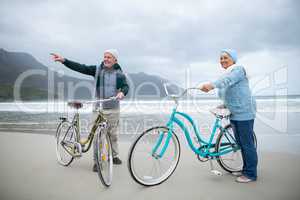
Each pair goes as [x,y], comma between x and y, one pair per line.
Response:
[150,107]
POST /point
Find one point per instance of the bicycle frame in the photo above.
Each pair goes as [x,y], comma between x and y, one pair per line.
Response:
[75,123]
[205,146]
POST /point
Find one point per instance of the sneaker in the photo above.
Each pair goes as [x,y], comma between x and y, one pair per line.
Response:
[236,174]
[243,179]
[95,168]
[117,161]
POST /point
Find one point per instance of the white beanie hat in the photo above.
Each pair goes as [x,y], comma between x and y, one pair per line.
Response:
[113,52]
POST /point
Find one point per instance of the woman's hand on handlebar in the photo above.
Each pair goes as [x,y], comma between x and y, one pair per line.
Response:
[206,87]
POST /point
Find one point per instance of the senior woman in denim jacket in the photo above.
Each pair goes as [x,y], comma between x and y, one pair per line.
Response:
[233,89]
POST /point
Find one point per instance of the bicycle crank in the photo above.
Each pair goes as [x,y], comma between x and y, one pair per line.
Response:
[77,150]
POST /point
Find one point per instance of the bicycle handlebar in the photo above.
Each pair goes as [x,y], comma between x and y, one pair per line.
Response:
[180,95]
[98,101]
[102,100]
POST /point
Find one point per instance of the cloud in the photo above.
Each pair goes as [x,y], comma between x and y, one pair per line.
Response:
[159,37]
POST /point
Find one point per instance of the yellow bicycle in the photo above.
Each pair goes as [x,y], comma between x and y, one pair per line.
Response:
[70,145]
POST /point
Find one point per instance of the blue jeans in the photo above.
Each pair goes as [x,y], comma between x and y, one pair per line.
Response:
[243,132]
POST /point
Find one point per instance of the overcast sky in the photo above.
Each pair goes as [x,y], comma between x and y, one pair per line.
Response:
[178,40]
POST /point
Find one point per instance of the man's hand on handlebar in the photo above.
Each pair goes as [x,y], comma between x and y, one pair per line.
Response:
[120,96]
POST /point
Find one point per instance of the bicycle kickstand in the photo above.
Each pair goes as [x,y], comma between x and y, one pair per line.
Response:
[213,170]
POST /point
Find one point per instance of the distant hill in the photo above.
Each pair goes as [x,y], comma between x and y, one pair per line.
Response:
[37,81]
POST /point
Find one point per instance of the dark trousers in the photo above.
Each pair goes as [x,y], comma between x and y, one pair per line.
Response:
[243,131]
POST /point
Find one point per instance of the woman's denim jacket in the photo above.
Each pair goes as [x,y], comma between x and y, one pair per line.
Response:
[235,92]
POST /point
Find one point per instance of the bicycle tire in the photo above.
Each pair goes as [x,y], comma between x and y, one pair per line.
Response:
[61,135]
[136,166]
[104,158]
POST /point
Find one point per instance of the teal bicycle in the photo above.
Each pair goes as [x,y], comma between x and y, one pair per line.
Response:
[154,155]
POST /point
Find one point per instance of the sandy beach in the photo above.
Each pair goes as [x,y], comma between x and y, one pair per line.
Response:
[29,170]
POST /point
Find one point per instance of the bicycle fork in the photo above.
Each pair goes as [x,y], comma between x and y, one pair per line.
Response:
[160,143]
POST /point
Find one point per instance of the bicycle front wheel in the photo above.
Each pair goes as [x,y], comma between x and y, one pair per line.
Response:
[104,158]
[147,167]
[65,135]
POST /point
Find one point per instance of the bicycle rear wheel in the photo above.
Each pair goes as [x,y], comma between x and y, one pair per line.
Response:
[146,167]
[233,160]
[104,158]
[65,134]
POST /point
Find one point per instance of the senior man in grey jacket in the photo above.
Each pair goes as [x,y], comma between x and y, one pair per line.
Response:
[110,81]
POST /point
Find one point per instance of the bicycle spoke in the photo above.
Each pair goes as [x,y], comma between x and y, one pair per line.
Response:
[64,136]
[148,169]
[231,159]
[104,158]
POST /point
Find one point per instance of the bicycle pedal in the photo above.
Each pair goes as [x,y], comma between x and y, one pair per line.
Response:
[212,169]
[77,149]
[203,159]
[77,155]
[216,172]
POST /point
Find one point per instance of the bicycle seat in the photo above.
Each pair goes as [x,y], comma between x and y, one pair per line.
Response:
[75,104]
[220,112]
